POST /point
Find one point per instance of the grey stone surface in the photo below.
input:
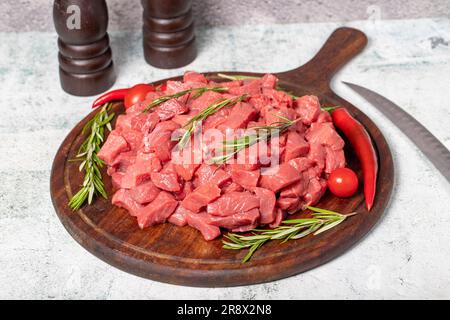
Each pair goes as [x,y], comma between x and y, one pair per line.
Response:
[35,15]
[406,256]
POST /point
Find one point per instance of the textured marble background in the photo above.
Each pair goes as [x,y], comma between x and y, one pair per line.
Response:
[35,15]
[406,256]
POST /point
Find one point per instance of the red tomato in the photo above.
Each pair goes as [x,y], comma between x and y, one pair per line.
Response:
[137,94]
[343,182]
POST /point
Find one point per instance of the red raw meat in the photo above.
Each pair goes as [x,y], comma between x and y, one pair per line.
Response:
[247,179]
[239,222]
[122,198]
[145,192]
[200,197]
[279,177]
[308,108]
[157,211]
[114,145]
[201,222]
[233,202]
[267,202]
[157,182]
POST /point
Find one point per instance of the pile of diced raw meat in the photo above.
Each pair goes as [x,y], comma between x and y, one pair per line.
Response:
[208,197]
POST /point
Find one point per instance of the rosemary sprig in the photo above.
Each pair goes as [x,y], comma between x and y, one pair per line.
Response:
[328,109]
[90,163]
[237,77]
[321,221]
[197,93]
[262,133]
[192,124]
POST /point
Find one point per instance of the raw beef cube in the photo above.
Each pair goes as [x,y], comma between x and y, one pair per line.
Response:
[192,76]
[301,164]
[316,189]
[269,81]
[239,222]
[132,137]
[324,116]
[241,114]
[179,217]
[124,122]
[296,146]
[279,98]
[325,134]
[247,179]
[123,161]
[200,197]
[308,108]
[166,181]
[157,211]
[116,178]
[251,87]
[295,190]
[144,122]
[279,177]
[186,171]
[160,141]
[216,119]
[260,103]
[188,187]
[317,154]
[136,174]
[267,201]
[279,217]
[170,108]
[288,204]
[205,100]
[200,221]
[333,159]
[233,202]
[114,145]
[232,187]
[122,198]
[145,192]
[182,119]
[212,174]
[151,159]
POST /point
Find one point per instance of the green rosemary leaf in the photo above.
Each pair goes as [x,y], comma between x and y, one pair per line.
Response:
[321,221]
[328,109]
[92,183]
[237,77]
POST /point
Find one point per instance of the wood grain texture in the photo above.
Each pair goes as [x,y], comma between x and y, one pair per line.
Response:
[179,255]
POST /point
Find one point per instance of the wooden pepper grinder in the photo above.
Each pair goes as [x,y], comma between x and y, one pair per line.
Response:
[168,27]
[85,60]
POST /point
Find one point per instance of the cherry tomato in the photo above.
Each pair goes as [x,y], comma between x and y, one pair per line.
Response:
[343,182]
[137,94]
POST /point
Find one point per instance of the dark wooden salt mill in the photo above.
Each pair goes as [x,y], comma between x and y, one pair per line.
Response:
[168,27]
[85,60]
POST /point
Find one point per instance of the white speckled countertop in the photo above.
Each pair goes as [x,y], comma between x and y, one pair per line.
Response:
[406,256]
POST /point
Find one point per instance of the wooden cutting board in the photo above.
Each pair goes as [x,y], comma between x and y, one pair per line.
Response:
[179,255]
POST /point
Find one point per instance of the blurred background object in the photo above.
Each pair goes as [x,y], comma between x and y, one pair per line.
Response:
[85,59]
[127,15]
[168,33]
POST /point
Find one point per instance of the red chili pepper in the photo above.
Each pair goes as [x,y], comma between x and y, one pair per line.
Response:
[114,95]
[361,142]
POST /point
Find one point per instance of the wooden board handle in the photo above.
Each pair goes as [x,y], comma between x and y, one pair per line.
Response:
[342,45]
